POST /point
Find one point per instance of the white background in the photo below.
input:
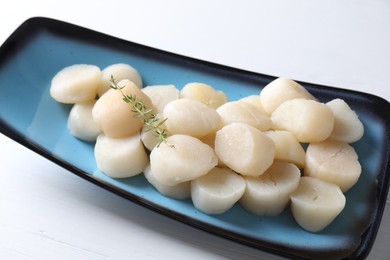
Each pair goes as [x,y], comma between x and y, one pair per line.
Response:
[48,213]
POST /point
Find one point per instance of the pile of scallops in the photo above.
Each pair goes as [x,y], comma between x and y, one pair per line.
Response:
[266,152]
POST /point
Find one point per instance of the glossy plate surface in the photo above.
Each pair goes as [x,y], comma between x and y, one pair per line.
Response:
[40,47]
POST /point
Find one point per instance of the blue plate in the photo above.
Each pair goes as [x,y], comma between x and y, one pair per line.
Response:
[40,47]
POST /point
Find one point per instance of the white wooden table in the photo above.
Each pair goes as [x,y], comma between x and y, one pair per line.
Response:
[47,212]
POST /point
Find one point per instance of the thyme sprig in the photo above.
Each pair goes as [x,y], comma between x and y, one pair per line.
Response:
[149,119]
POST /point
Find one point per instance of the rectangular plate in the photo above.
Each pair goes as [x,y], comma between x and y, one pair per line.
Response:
[40,47]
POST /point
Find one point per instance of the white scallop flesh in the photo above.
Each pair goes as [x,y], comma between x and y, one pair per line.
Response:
[309,120]
[270,193]
[255,101]
[120,157]
[75,84]
[81,123]
[119,71]
[182,158]
[281,90]
[179,191]
[210,140]
[191,117]
[217,191]
[149,136]
[204,93]
[161,95]
[333,161]
[287,147]
[244,149]
[242,112]
[115,116]
[347,125]
[316,203]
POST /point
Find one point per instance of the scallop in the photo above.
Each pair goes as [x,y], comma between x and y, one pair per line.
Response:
[191,117]
[116,117]
[244,149]
[217,191]
[347,126]
[316,203]
[281,90]
[309,120]
[119,71]
[270,193]
[120,157]
[161,95]
[333,161]
[287,147]
[245,113]
[179,191]
[149,136]
[204,93]
[81,123]
[181,158]
[253,100]
[75,84]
